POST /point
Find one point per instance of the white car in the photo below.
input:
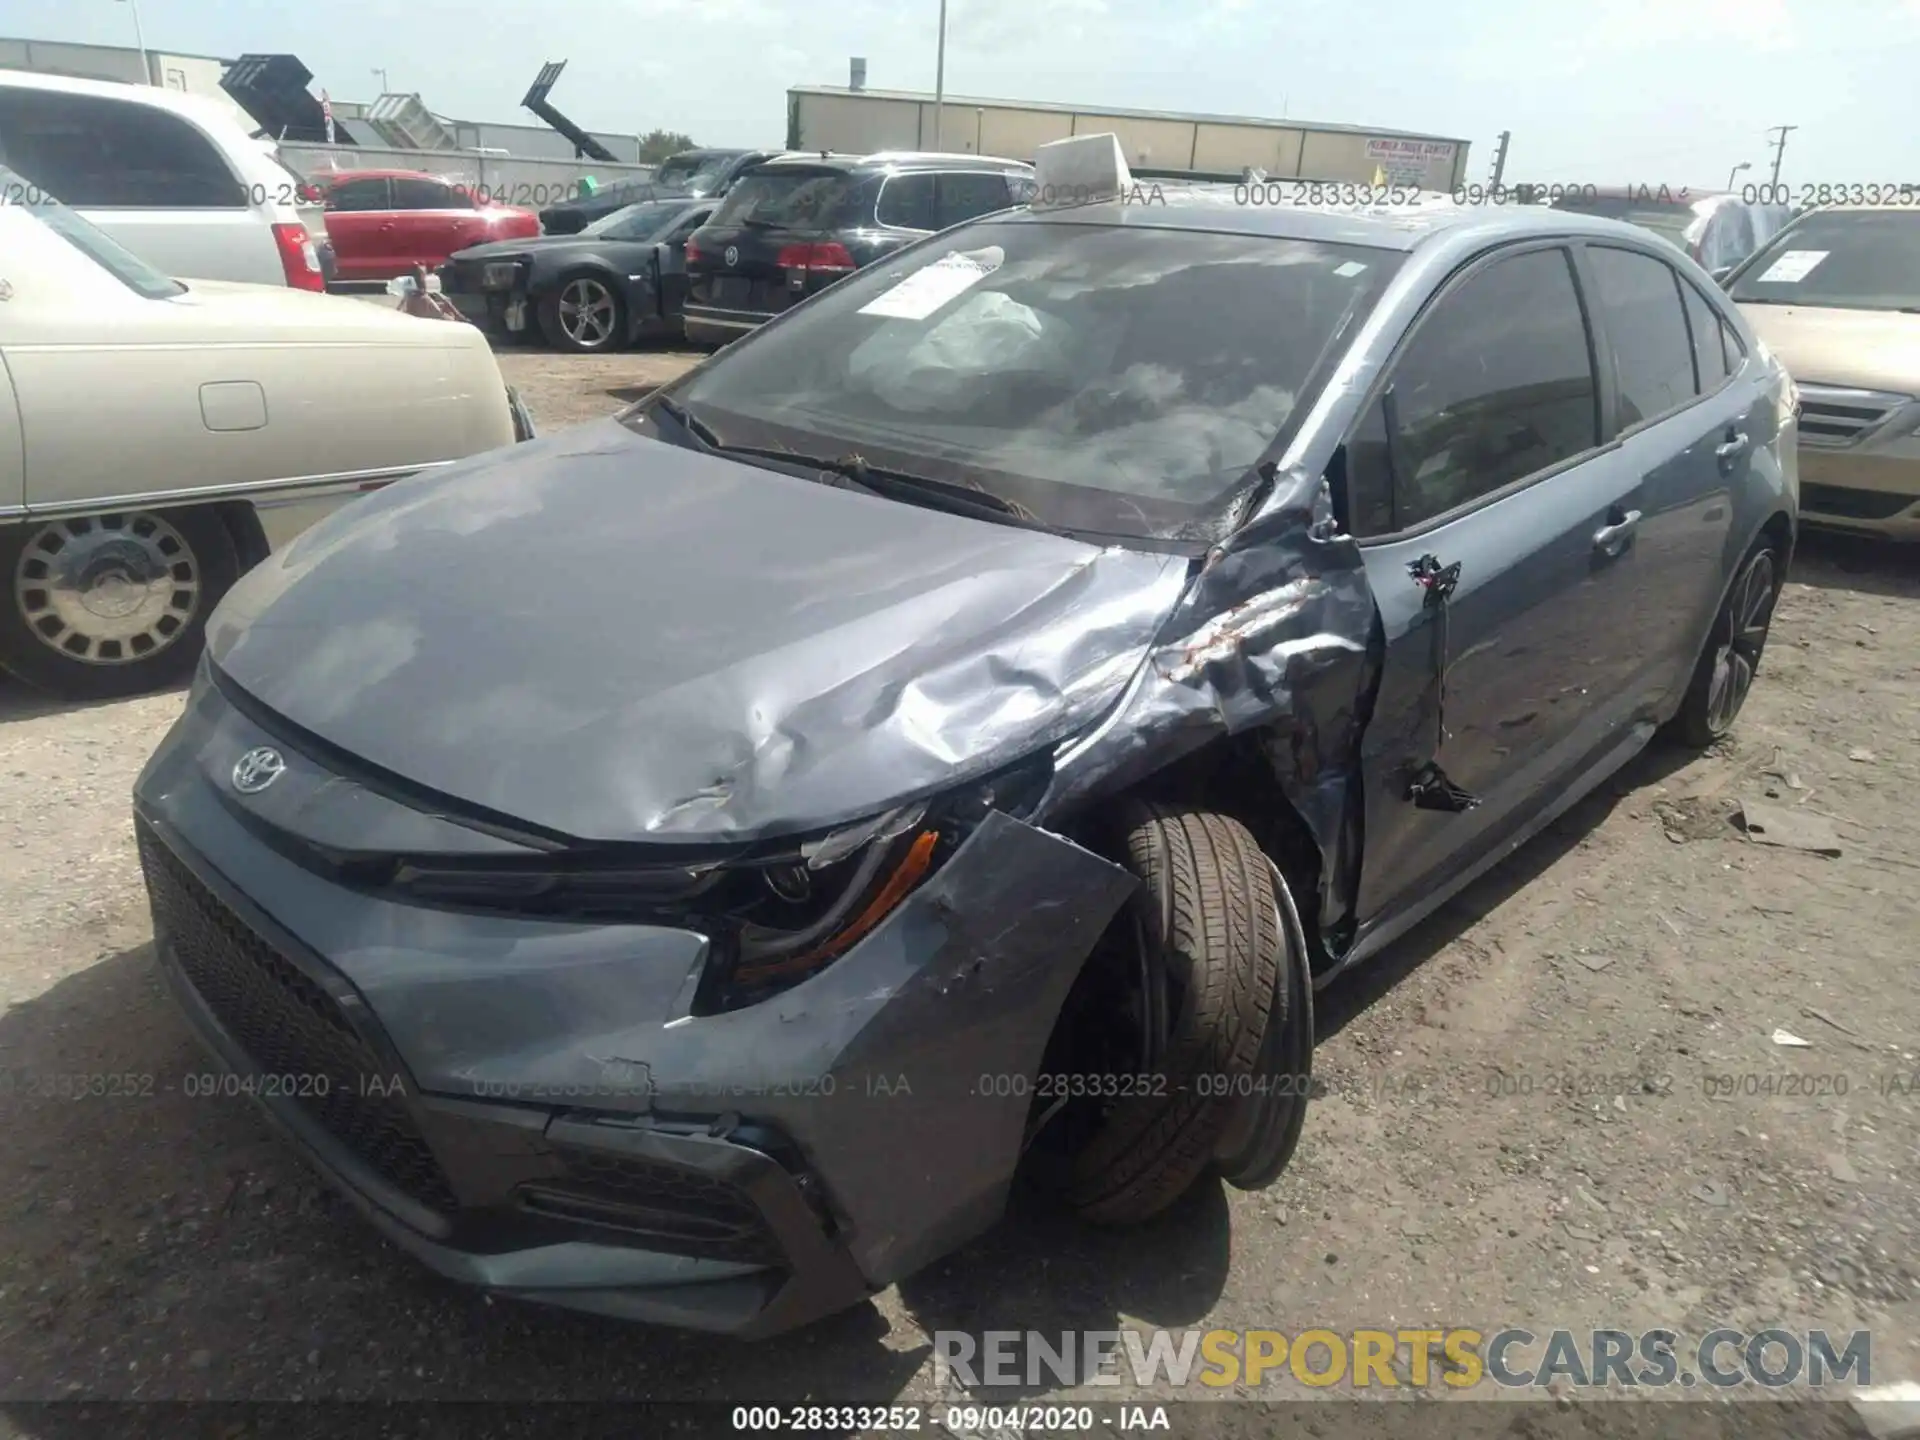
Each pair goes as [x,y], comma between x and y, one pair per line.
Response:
[175,178]
[158,437]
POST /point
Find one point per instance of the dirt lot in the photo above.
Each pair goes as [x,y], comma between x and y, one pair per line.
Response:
[1517,1126]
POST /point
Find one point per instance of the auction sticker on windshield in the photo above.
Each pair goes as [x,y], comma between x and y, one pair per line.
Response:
[926,290]
[1792,266]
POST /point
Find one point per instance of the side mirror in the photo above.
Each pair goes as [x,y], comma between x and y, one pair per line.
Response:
[1720,275]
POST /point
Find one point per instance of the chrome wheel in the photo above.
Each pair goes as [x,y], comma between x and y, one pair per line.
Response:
[1738,641]
[107,589]
[587,313]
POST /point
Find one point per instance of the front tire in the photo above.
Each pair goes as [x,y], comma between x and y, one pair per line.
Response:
[1724,675]
[102,606]
[584,315]
[1205,919]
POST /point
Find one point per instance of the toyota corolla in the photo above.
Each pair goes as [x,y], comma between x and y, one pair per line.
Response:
[689,866]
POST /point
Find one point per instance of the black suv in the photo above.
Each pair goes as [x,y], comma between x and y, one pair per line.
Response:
[795,224]
[691,174]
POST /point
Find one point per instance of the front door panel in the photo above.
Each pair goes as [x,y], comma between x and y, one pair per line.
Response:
[1527,670]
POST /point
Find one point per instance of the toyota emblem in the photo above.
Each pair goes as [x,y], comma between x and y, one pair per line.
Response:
[257,769]
[732,256]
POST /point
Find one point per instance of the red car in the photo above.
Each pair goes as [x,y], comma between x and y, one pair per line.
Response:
[384,222]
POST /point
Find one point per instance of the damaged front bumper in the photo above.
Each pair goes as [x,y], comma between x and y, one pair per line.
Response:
[532,1105]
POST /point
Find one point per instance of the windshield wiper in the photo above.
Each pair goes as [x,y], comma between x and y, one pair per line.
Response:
[960,496]
[852,472]
[779,454]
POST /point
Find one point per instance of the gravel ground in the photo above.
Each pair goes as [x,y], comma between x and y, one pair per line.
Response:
[1517,1126]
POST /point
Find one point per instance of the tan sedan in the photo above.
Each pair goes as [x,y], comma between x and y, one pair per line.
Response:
[158,437]
[1836,295]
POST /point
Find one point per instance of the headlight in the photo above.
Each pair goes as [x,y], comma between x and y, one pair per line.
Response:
[823,898]
[500,275]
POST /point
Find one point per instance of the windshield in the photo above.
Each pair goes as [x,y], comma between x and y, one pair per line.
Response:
[636,222]
[1123,380]
[126,267]
[1671,221]
[788,198]
[1844,259]
[691,172]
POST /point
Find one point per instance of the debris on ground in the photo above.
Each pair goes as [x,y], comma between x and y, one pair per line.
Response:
[1787,1037]
[1789,829]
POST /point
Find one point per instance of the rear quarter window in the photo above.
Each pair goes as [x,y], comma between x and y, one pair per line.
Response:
[101,154]
[787,199]
[1639,297]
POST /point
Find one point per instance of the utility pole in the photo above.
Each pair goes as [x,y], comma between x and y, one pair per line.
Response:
[1780,148]
[940,77]
[1500,158]
[140,39]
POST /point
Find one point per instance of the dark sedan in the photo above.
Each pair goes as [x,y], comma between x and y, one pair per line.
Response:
[623,277]
[955,733]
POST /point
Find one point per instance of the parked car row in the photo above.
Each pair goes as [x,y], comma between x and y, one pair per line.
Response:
[159,435]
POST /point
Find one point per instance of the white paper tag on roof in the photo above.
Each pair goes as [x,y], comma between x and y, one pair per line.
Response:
[927,289]
[1792,266]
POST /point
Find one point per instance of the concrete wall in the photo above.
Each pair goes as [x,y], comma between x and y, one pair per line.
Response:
[864,123]
[513,180]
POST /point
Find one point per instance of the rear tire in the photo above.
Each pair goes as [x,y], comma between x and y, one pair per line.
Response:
[103,606]
[1724,675]
[1206,913]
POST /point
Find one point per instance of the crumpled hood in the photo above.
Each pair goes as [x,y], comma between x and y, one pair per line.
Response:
[619,639]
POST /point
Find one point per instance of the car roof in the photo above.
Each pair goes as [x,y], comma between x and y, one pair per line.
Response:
[889,160]
[1420,217]
[707,153]
[201,108]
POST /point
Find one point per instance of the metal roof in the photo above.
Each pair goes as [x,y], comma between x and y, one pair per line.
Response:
[1054,107]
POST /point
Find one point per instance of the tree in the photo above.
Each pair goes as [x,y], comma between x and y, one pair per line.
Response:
[657,145]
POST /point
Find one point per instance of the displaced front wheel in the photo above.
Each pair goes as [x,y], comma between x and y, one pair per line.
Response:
[583,315]
[1157,1063]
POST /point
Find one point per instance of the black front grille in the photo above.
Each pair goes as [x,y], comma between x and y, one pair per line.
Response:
[679,1211]
[1853,504]
[291,1029]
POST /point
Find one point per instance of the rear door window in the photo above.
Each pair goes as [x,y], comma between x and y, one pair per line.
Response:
[95,153]
[1496,385]
[1647,327]
[1709,356]
[907,202]
[961,196]
[369,194]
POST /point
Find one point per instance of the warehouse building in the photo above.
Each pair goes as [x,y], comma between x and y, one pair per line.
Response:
[859,120]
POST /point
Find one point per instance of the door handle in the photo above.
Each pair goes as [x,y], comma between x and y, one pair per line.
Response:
[1611,539]
[1735,443]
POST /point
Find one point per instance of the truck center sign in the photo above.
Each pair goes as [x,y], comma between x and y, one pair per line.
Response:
[1412,162]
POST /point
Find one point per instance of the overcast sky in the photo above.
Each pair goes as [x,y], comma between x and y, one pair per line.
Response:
[1602,91]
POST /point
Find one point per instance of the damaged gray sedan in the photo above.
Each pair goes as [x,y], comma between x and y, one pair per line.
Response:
[688,867]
